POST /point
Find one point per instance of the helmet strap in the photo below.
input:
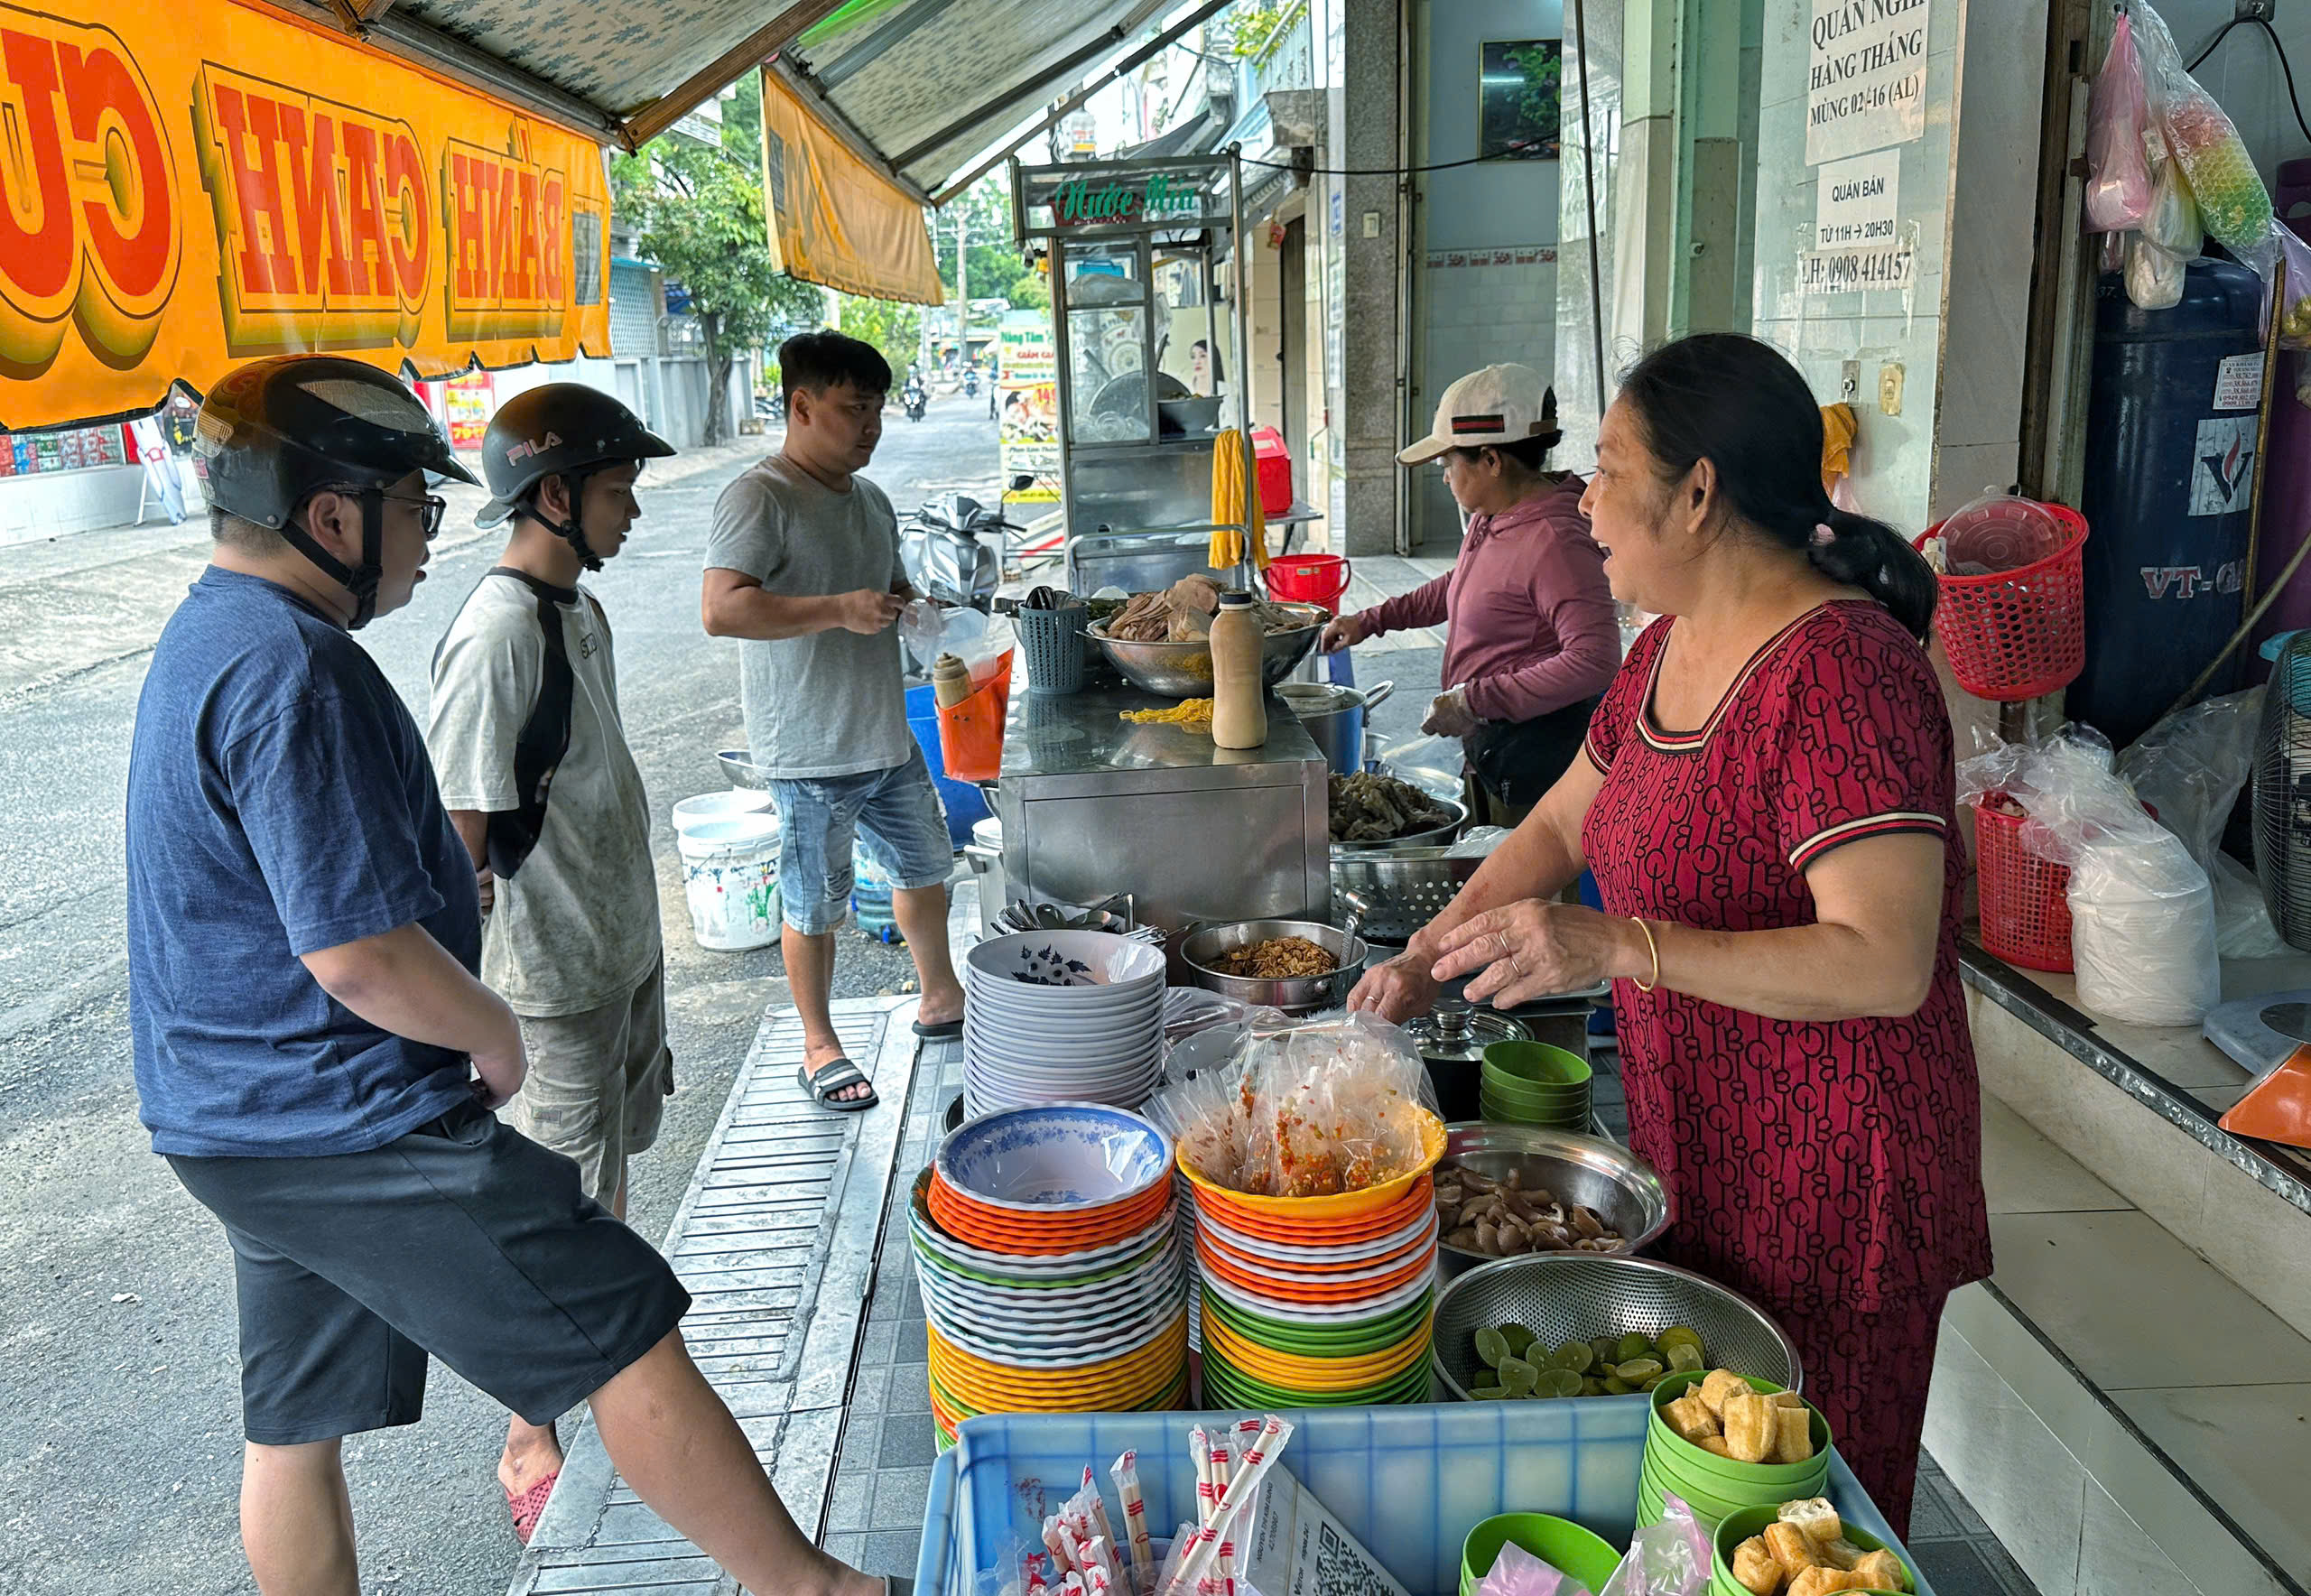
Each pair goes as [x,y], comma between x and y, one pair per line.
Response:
[574,531]
[361,580]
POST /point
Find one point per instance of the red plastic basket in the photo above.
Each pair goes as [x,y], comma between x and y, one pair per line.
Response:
[2025,899]
[2017,634]
[1309,579]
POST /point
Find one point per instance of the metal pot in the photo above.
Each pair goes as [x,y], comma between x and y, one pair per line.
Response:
[1306,995]
[1334,717]
[1184,670]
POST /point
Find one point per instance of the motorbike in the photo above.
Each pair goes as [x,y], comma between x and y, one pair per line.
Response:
[952,550]
[971,383]
[771,407]
[915,401]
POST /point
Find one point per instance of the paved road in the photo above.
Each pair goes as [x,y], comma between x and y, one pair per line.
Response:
[120,1442]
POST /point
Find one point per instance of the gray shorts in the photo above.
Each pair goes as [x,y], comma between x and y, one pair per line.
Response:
[463,1241]
[598,1082]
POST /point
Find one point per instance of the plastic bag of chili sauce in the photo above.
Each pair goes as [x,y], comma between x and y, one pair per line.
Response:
[1350,1103]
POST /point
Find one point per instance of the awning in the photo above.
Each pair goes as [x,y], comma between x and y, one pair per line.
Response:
[189,186]
[834,220]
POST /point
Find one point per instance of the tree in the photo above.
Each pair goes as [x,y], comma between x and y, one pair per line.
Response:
[996,270]
[698,211]
[894,328]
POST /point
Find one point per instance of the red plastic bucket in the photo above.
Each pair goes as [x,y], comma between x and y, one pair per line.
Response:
[1309,579]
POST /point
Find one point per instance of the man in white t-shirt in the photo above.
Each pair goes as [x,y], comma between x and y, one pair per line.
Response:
[803,563]
[534,769]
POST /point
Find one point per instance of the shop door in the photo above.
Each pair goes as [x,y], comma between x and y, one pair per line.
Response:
[1292,266]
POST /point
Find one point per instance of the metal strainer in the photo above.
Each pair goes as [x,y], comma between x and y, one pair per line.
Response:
[1573,1296]
[1398,890]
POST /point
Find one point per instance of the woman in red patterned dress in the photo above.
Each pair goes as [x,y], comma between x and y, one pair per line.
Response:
[1768,807]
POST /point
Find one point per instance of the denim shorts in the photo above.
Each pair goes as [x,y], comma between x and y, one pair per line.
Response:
[819,819]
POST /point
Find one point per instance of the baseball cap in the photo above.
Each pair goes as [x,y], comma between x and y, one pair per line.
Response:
[1499,404]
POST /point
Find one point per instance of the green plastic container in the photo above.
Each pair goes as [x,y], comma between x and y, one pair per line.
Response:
[1749,1521]
[1677,1460]
[1498,1113]
[1536,1063]
[1355,1339]
[1560,1543]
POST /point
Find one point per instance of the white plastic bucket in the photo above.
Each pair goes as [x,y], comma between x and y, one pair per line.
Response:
[730,876]
[710,807]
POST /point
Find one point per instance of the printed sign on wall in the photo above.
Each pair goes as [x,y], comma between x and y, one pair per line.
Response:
[1865,81]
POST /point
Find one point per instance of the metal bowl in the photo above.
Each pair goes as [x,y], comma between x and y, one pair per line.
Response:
[1565,1297]
[1397,890]
[1584,1169]
[740,767]
[1184,670]
[1304,995]
[1433,837]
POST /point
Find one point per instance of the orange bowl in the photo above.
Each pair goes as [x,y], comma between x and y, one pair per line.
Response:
[1278,1289]
[1010,1235]
[1148,1203]
[1226,1207]
[1340,1204]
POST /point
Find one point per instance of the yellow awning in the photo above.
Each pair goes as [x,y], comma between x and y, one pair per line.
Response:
[834,220]
[185,187]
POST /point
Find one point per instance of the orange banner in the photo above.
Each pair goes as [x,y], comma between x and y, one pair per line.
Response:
[189,186]
[834,220]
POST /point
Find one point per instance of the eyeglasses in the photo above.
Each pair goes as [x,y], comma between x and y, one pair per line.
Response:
[431,508]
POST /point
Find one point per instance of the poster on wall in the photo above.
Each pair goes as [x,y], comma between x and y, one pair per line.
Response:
[1517,106]
[1027,420]
[1188,354]
[468,402]
[1865,78]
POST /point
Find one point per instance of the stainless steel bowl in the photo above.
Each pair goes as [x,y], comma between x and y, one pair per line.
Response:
[1584,1169]
[1184,670]
[1397,890]
[1566,1296]
[1433,837]
[1304,995]
[740,767]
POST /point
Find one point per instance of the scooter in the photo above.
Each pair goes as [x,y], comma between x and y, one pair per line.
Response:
[771,407]
[970,383]
[952,550]
[914,400]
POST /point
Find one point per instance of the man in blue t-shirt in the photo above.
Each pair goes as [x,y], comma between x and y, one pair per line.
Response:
[314,1054]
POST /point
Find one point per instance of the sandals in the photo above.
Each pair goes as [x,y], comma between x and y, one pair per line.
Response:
[941,1031]
[832,1078]
[527,1506]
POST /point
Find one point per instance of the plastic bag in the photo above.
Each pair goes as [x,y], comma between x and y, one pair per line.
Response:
[2191,768]
[2232,201]
[2172,223]
[1671,1558]
[2118,115]
[1518,1573]
[2154,278]
[2295,321]
[1431,764]
[1478,843]
[1341,1104]
[2141,910]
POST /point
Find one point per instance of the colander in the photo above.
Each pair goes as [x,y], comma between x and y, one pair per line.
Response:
[1568,1296]
[1398,890]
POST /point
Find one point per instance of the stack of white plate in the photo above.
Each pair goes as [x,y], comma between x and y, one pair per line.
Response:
[1060,1017]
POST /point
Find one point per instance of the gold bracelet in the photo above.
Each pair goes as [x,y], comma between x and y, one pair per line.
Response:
[1653,948]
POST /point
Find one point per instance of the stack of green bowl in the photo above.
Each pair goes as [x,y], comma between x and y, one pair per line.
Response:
[1560,1543]
[1752,1521]
[1716,1487]
[1533,1083]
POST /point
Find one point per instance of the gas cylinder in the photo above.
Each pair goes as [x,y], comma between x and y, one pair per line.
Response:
[2169,493]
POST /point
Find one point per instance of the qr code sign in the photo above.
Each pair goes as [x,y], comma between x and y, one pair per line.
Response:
[1342,1569]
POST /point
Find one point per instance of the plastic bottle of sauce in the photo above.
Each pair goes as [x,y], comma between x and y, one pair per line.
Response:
[950,680]
[1239,694]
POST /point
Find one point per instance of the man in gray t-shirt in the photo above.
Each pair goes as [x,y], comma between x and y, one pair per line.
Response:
[803,566]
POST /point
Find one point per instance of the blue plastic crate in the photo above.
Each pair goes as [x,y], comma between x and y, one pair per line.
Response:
[1409,1482]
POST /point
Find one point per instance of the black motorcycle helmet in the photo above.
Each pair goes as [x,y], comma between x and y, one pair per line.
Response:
[564,429]
[274,433]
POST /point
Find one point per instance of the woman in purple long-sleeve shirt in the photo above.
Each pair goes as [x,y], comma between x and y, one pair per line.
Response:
[1534,637]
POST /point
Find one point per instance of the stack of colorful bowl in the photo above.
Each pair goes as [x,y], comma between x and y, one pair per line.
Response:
[1062,1016]
[1048,1251]
[1714,1487]
[1533,1083]
[1317,1301]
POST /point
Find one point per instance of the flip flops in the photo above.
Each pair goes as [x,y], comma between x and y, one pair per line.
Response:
[830,1078]
[943,1030]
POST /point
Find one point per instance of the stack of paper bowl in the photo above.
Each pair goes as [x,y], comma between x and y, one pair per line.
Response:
[1056,1016]
[1533,1083]
[1048,1251]
[1716,1487]
[1315,1302]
